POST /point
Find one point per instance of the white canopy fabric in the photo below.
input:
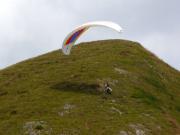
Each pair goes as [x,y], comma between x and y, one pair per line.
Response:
[71,38]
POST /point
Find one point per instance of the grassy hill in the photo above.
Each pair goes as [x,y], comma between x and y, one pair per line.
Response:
[54,94]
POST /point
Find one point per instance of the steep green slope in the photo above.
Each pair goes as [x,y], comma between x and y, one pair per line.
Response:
[57,94]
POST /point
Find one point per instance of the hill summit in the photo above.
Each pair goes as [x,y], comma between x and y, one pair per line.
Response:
[54,94]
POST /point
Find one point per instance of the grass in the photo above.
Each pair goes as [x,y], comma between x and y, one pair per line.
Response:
[145,91]
[147,98]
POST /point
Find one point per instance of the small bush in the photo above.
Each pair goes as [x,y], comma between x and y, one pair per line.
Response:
[39,127]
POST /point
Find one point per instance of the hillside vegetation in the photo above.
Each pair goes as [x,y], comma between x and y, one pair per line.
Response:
[54,94]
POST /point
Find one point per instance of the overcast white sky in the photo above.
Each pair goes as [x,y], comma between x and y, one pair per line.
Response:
[32,27]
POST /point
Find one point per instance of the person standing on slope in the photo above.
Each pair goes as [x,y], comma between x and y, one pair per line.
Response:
[107,89]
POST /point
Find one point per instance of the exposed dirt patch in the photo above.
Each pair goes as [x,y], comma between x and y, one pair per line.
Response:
[121,71]
[174,124]
[66,109]
[77,87]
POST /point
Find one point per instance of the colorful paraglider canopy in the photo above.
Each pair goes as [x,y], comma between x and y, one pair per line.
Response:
[71,38]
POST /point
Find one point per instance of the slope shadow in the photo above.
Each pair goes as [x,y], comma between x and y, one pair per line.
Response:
[77,87]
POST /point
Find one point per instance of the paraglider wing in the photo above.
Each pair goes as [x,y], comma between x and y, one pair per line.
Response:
[75,34]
